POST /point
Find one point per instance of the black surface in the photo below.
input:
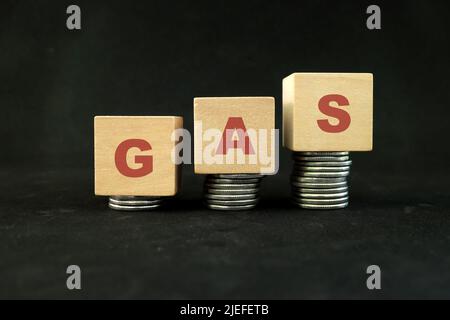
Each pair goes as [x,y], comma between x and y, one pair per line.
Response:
[49,220]
[152,58]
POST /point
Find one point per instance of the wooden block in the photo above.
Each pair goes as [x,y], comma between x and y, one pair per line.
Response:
[133,156]
[328,111]
[229,135]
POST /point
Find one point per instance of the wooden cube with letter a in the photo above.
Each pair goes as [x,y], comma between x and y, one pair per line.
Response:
[328,111]
[133,156]
[235,135]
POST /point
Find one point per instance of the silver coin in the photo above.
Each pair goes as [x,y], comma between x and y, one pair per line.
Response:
[135,202]
[324,163]
[321,201]
[132,208]
[322,169]
[232,181]
[317,180]
[325,174]
[322,153]
[125,198]
[237,176]
[321,206]
[232,191]
[321,195]
[232,186]
[321,159]
[321,190]
[319,186]
[231,196]
[233,202]
[229,208]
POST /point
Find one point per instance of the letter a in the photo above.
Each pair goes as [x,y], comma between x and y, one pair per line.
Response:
[374,281]
[74,20]
[235,125]
[374,20]
[74,280]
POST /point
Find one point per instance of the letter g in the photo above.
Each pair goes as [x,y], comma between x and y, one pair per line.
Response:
[121,158]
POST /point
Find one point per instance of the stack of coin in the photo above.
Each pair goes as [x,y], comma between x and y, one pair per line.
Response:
[232,191]
[319,180]
[134,203]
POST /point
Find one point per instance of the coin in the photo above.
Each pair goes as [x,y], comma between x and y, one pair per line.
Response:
[321,190]
[324,163]
[237,176]
[232,186]
[229,208]
[231,197]
[321,206]
[321,201]
[132,208]
[321,158]
[302,168]
[319,186]
[232,181]
[323,153]
[317,179]
[321,195]
[231,191]
[133,202]
[234,202]
[325,174]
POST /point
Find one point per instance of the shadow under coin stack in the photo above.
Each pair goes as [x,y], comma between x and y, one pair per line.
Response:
[232,191]
[134,203]
[319,180]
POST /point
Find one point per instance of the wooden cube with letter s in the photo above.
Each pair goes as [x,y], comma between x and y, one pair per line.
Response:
[134,160]
[328,111]
[325,115]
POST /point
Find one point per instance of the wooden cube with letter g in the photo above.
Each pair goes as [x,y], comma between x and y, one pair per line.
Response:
[134,155]
[328,111]
[235,135]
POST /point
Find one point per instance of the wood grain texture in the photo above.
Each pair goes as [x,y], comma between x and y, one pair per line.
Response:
[110,131]
[213,113]
[301,95]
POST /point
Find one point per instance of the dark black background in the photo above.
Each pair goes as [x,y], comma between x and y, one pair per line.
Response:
[153,58]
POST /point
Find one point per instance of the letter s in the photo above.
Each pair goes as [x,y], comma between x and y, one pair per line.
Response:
[121,158]
[341,115]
